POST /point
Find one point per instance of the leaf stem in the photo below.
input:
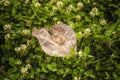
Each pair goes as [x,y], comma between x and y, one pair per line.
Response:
[35,12]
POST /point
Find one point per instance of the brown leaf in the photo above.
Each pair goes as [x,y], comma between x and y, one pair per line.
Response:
[59,39]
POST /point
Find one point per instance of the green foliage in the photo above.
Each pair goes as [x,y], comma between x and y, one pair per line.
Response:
[97,27]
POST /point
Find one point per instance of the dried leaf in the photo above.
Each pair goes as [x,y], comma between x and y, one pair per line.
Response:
[58,41]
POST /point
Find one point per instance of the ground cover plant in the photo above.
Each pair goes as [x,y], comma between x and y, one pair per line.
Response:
[97,28]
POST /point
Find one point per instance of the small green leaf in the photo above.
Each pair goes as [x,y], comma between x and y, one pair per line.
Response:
[14,76]
[67,70]
[79,35]
[107,75]
[118,66]
[52,67]
[108,33]
[115,75]
[98,66]
[89,73]
[86,50]
[60,71]
[38,70]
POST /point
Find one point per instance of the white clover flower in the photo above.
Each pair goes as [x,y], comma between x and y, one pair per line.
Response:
[29,42]
[76,78]
[52,1]
[113,32]
[55,53]
[70,7]
[28,66]
[18,62]
[80,5]
[94,12]
[80,53]
[7,36]
[87,32]
[26,1]
[80,33]
[6,3]
[78,17]
[59,22]
[7,27]
[79,78]
[88,1]
[24,70]
[54,8]
[37,4]
[59,4]
[119,25]
[23,47]
[94,3]
[55,18]
[17,49]
[103,22]
[45,21]
[26,32]
[94,9]
[6,79]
